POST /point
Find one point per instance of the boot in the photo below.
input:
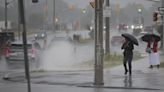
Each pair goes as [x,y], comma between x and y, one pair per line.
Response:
[126,70]
[151,67]
[130,68]
[158,66]
[130,72]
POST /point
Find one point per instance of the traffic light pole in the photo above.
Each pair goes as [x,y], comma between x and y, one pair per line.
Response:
[98,43]
[23,26]
[107,43]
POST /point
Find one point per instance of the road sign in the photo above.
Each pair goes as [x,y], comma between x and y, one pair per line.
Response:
[107,12]
[93,4]
[160,8]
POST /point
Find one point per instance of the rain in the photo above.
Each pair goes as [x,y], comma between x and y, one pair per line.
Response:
[79,44]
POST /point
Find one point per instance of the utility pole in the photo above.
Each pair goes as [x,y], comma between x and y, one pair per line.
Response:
[163,26]
[23,27]
[19,32]
[99,43]
[107,43]
[6,22]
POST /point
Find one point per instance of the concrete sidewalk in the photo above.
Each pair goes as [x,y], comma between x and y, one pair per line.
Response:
[143,79]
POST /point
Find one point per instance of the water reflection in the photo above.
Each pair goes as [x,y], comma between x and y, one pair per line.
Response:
[128,82]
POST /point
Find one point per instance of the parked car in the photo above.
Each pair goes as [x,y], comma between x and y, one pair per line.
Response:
[40,35]
[117,40]
[15,52]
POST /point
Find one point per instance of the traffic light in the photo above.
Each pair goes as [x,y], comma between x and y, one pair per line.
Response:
[155,16]
[93,4]
[34,1]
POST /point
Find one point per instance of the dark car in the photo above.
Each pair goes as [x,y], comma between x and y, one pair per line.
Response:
[122,27]
[40,35]
[117,40]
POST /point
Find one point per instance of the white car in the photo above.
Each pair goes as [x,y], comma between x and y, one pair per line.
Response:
[16,52]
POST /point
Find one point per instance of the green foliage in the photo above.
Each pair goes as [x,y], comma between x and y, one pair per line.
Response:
[112,60]
[85,40]
[162,65]
[113,57]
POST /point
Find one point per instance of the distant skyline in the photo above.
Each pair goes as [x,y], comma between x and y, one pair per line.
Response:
[84,3]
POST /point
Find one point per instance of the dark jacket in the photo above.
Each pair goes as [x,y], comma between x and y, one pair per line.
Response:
[128,48]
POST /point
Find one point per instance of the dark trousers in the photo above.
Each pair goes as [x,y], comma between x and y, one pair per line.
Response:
[128,59]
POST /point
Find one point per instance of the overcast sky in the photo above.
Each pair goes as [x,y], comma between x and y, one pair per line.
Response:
[84,3]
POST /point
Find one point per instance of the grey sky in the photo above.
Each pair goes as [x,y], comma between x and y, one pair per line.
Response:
[84,3]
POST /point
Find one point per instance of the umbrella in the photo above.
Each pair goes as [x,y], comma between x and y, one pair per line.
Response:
[131,38]
[148,37]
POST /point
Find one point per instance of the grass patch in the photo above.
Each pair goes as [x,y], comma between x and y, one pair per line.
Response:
[40,70]
[111,60]
[86,40]
[162,64]
[116,59]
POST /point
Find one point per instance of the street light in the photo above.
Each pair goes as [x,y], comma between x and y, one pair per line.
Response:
[139,10]
[140,18]
[84,11]
[56,20]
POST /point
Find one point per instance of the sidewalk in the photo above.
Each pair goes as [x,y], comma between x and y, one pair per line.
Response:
[143,79]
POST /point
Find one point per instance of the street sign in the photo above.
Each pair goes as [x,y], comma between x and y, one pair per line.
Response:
[93,4]
[160,8]
[107,12]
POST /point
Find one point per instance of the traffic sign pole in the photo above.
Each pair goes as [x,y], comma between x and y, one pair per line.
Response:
[23,26]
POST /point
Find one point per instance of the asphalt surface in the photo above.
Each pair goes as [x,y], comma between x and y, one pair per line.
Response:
[143,79]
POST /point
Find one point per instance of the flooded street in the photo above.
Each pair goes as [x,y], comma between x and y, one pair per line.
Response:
[63,53]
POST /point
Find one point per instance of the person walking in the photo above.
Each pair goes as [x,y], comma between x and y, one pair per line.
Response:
[152,49]
[128,55]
